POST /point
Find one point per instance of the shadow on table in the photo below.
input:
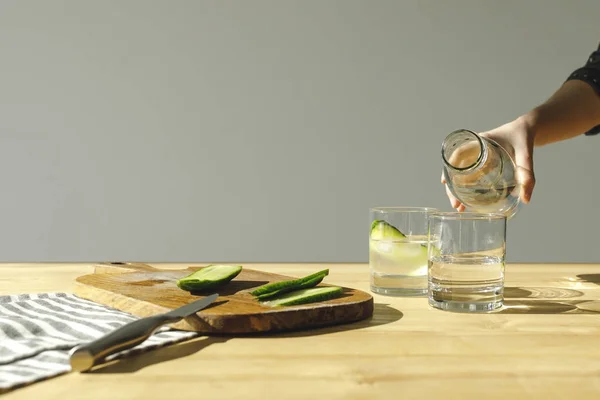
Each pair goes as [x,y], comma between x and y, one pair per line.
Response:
[382,314]
[546,300]
[137,362]
[546,293]
[591,278]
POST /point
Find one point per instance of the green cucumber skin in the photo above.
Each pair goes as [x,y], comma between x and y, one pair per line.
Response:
[288,285]
[381,227]
[191,284]
[199,286]
[395,231]
[306,296]
[306,285]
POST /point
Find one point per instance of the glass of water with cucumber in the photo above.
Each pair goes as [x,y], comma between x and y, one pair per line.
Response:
[398,242]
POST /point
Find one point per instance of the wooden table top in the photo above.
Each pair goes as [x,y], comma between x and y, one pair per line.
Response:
[544,344]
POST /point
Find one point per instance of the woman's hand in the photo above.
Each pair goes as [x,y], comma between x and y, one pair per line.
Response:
[517,138]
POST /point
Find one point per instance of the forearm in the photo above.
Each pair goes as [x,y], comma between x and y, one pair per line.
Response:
[573,110]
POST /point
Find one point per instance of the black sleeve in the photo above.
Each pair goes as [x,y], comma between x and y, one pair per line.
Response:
[590,74]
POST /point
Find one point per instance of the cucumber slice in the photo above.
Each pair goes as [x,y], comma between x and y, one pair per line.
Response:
[305,285]
[304,296]
[388,242]
[289,285]
[381,230]
[412,258]
[209,277]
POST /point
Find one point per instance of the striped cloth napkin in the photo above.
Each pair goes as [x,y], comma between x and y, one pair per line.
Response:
[38,330]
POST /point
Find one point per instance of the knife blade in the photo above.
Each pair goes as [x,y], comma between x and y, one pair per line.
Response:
[85,356]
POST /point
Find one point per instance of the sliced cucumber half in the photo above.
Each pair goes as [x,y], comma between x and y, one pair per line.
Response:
[303,285]
[277,288]
[209,277]
[305,296]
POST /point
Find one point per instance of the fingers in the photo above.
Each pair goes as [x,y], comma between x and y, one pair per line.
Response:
[453,200]
[525,174]
[527,180]
[457,205]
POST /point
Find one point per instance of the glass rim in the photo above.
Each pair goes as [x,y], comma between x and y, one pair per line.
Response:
[404,209]
[476,162]
[467,215]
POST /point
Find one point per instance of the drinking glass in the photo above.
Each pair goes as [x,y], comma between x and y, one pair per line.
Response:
[466,254]
[398,250]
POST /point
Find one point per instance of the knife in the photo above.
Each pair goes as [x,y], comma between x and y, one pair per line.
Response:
[85,356]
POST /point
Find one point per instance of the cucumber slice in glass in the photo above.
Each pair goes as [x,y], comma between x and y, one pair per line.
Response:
[388,242]
[381,230]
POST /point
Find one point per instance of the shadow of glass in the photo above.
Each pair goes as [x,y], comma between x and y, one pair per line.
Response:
[551,307]
[541,300]
[136,362]
[589,307]
[591,278]
[540,293]
[536,307]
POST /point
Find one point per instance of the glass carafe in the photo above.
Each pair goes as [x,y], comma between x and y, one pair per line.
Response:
[480,173]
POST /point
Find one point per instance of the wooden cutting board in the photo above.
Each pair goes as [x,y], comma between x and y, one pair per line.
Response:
[143,290]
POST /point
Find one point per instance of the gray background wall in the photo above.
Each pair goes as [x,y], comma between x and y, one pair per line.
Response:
[264,130]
